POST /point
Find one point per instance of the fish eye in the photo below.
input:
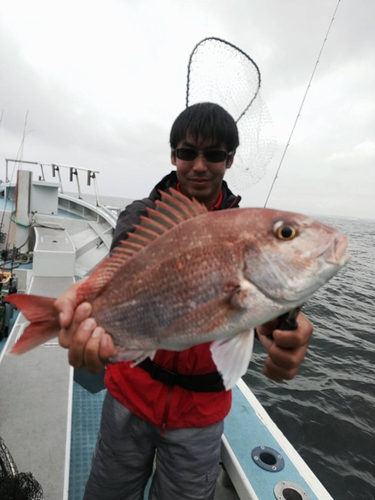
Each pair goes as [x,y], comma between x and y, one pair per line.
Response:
[284,231]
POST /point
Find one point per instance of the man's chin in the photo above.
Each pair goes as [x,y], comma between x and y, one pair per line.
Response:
[200,192]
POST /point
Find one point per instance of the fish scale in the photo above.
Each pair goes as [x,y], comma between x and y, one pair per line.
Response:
[192,281]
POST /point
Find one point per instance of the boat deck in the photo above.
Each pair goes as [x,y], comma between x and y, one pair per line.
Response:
[86,414]
[35,402]
[7,205]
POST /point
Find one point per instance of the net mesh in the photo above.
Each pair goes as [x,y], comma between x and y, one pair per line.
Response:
[16,485]
[220,72]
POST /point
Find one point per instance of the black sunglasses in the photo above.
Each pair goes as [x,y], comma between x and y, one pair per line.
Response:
[212,155]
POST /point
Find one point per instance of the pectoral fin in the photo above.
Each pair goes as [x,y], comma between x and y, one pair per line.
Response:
[232,357]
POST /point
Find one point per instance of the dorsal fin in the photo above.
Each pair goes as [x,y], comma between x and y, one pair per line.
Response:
[171,210]
[184,205]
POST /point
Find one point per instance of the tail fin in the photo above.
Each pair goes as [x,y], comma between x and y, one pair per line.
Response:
[42,316]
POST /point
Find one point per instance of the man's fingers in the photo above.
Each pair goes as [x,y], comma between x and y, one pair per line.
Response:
[297,338]
[82,312]
[98,350]
[265,340]
[276,372]
[286,349]
[266,329]
[65,309]
[107,349]
[287,358]
[78,342]
[92,361]
[290,340]
[66,304]
[88,344]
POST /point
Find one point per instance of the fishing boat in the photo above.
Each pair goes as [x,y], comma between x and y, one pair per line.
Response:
[49,412]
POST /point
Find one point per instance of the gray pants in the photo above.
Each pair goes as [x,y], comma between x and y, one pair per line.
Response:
[187,460]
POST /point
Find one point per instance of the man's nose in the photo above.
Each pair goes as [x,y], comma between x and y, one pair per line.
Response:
[200,163]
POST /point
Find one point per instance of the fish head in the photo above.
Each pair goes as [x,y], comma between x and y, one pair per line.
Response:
[292,255]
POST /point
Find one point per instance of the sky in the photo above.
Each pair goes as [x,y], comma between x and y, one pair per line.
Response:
[102,82]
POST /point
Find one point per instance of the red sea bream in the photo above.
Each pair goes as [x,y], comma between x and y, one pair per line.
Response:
[186,276]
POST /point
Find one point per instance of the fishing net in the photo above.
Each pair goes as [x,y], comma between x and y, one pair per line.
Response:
[220,72]
[16,485]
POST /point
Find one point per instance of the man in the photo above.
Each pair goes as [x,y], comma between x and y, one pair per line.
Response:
[145,410]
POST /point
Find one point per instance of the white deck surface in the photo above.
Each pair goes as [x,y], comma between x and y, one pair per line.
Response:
[34,404]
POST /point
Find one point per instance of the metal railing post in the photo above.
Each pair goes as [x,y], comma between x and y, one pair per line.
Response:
[75,172]
[55,168]
[96,190]
[91,174]
[41,168]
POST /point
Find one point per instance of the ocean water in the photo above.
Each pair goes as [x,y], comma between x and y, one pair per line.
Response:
[328,410]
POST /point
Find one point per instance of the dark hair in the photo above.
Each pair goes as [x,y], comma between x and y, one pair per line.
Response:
[205,120]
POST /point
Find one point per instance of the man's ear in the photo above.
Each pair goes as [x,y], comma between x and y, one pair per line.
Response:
[230,160]
[173,157]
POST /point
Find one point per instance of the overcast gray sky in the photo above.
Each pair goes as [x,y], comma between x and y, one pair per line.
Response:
[103,82]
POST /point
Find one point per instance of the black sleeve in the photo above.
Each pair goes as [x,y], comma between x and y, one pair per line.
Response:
[128,218]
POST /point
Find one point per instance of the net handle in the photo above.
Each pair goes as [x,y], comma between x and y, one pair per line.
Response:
[7,463]
[202,42]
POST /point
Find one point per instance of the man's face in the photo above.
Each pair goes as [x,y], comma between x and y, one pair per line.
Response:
[200,178]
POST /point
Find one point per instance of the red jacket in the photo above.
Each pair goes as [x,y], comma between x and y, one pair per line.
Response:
[164,406]
[161,405]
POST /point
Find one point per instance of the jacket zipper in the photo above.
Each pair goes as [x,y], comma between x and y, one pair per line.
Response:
[169,397]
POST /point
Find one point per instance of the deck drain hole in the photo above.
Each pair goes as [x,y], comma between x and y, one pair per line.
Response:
[290,494]
[268,459]
[286,490]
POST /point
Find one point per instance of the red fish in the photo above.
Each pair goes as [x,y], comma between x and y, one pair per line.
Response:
[186,276]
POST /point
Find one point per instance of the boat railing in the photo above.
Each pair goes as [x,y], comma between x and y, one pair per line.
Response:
[91,175]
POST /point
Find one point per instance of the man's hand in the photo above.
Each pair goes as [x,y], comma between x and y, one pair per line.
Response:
[88,343]
[286,350]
